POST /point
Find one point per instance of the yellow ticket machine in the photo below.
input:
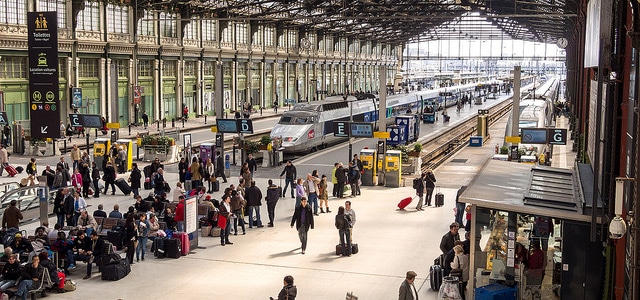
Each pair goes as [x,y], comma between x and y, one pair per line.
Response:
[127,145]
[368,156]
[101,148]
[393,168]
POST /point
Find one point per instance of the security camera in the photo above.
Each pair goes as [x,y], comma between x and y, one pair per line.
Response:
[617,228]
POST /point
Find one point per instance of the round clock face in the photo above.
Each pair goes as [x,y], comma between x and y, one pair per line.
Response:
[562,43]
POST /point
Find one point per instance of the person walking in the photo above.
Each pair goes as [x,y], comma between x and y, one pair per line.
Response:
[311,189]
[95,176]
[407,289]
[109,177]
[419,186]
[145,119]
[343,224]
[303,219]
[299,192]
[134,179]
[272,199]
[253,165]
[11,216]
[76,155]
[254,202]
[4,159]
[290,173]
[220,167]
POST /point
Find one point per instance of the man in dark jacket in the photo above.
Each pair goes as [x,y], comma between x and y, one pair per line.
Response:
[253,165]
[419,186]
[303,218]
[341,176]
[254,201]
[290,177]
[220,167]
[12,216]
[51,174]
[449,239]
[93,248]
[31,276]
[69,209]
[182,169]
[272,198]
[58,205]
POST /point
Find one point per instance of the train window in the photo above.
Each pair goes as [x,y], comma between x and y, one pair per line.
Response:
[285,120]
[301,121]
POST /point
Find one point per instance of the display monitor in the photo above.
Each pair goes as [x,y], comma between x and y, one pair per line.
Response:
[227,125]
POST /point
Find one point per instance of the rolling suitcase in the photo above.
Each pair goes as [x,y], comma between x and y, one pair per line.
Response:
[158,247]
[439,197]
[11,170]
[172,248]
[435,277]
[404,202]
[216,185]
[354,248]
[115,238]
[116,271]
[123,186]
[185,247]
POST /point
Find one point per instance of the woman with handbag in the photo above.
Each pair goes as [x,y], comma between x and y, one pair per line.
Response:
[460,268]
[223,220]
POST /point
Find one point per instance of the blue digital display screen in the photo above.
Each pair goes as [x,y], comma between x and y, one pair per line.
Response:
[227,125]
[361,130]
[534,136]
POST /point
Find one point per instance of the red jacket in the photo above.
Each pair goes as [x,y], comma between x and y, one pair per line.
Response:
[179,212]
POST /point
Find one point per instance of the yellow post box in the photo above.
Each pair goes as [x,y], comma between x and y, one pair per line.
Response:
[127,145]
[368,156]
[101,148]
[393,168]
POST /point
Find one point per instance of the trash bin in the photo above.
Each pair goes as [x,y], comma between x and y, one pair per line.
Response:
[449,289]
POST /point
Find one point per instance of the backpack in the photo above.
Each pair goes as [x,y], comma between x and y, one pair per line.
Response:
[416,183]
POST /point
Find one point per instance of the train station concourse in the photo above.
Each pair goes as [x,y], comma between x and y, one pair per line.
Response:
[155,75]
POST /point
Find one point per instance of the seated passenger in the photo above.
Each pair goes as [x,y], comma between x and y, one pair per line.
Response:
[154,226]
[10,273]
[140,206]
[64,249]
[168,218]
[20,246]
[50,267]
[93,248]
[30,278]
[40,243]
[7,252]
[86,222]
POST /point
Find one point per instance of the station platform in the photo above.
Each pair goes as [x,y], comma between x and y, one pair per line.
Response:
[391,242]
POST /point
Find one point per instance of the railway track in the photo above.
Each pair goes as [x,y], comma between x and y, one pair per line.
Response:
[437,150]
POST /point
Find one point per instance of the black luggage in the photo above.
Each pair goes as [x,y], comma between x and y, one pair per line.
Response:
[147,184]
[116,271]
[439,197]
[354,249]
[108,259]
[116,238]
[280,191]
[19,169]
[216,186]
[172,248]
[158,247]
[435,277]
[123,186]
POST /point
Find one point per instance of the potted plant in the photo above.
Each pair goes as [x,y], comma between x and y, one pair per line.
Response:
[265,140]
[251,147]
[417,149]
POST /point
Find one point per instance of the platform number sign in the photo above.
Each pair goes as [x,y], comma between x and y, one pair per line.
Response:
[245,126]
[557,136]
[341,129]
[44,102]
